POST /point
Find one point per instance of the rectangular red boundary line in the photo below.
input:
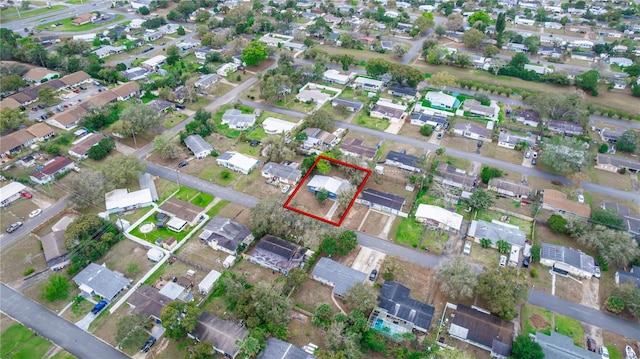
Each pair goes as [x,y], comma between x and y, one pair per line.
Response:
[297,210]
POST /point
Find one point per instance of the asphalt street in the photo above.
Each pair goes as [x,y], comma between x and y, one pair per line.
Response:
[31,223]
[585,314]
[54,328]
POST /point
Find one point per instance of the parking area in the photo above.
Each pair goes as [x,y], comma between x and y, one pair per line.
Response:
[68,97]
[368,259]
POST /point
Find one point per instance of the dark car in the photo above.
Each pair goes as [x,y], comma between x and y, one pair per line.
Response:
[12,228]
[534,161]
[180,107]
[182,164]
[148,344]
[525,262]
[439,136]
[42,106]
[591,344]
[98,307]
[480,142]
[83,88]
[43,117]
[373,275]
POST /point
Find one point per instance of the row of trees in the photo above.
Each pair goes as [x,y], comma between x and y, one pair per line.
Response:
[403,74]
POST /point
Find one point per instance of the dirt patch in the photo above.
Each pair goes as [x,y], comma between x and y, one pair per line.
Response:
[590,293]
[254,273]
[260,188]
[355,216]
[460,143]
[349,258]
[236,212]
[311,294]
[569,289]
[538,322]
[305,200]
[617,341]
[375,222]
[128,258]
[302,332]
[23,254]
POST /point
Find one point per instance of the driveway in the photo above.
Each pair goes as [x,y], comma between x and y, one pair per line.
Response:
[367,260]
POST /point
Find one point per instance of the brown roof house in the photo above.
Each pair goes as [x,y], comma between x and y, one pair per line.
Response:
[509,188]
[277,254]
[76,78]
[181,209]
[456,179]
[57,166]
[126,90]
[100,99]
[41,132]
[149,302]
[224,335]
[83,19]
[55,253]
[68,119]
[353,147]
[81,148]
[557,202]
[39,75]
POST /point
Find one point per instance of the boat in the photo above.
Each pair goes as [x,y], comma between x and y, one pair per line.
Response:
[631,354]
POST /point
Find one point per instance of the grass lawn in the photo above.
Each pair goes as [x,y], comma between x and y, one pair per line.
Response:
[213,211]
[186,194]
[11,14]
[245,180]
[228,132]
[614,353]
[360,55]
[367,121]
[456,162]
[68,27]
[434,240]
[488,216]
[215,175]
[570,327]
[202,199]
[159,232]
[408,232]
[173,119]
[357,95]
[12,338]
[200,102]
[529,311]
[165,188]
[62,355]
[36,347]
[257,134]
[247,149]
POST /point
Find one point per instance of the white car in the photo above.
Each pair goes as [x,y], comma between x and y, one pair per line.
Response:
[35,213]
[580,198]
[604,352]
[467,248]
[503,261]
[597,273]
[285,188]
[535,155]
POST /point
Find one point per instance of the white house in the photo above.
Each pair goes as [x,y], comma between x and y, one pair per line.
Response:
[569,260]
[155,62]
[438,217]
[227,69]
[386,109]
[524,21]
[333,185]
[198,146]
[237,162]
[274,126]
[441,100]
[335,76]
[509,140]
[120,200]
[368,84]
[238,120]
[10,193]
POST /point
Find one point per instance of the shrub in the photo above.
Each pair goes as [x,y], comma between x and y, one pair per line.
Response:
[225,174]
[614,304]
[535,252]
[426,130]
[485,243]
[28,271]
[557,223]
[533,273]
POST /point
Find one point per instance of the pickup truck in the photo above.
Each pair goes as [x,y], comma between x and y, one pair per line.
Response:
[98,307]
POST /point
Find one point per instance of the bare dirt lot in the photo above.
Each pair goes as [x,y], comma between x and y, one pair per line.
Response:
[235,212]
[311,294]
[305,200]
[23,254]
[375,223]
[17,211]
[355,216]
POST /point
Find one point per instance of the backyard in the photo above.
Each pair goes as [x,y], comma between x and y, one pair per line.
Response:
[362,119]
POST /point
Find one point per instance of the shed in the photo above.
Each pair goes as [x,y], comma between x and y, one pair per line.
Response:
[207,283]
[176,224]
[228,262]
[154,254]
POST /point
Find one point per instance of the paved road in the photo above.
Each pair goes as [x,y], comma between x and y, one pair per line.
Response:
[585,314]
[6,238]
[63,333]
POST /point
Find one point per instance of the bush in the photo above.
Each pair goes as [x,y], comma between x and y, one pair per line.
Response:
[426,130]
[535,253]
[557,223]
[614,304]
[28,271]
[603,148]
[533,273]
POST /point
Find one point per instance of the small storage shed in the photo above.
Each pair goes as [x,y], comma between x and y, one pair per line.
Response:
[207,283]
[154,254]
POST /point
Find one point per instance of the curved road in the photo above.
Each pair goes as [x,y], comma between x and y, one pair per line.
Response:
[56,329]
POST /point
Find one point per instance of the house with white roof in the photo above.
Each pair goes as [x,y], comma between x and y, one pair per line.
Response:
[275,126]
[336,77]
[237,162]
[386,109]
[155,62]
[496,231]
[227,69]
[333,185]
[238,120]
[368,84]
[440,99]
[120,200]
[438,217]
[10,193]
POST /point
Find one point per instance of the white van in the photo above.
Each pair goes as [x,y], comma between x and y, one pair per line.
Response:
[514,257]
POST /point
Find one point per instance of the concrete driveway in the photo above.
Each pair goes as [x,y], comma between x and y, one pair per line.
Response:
[367,260]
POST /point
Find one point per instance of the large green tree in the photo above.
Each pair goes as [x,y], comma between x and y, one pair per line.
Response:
[254,53]
[121,170]
[138,119]
[473,38]
[11,118]
[588,81]
[608,218]
[130,330]
[614,247]
[179,318]
[565,155]
[56,288]
[361,296]
[377,67]
[457,277]
[505,289]
[525,348]
[480,199]
[628,141]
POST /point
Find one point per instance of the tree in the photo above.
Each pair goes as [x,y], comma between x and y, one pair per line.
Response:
[504,289]
[345,197]
[565,155]
[166,147]
[377,67]
[181,31]
[472,38]
[603,148]
[143,10]
[56,288]
[426,130]
[179,318]
[399,50]
[457,277]
[254,53]
[361,297]
[630,295]
[536,250]
[485,242]
[501,23]
[202,350]
[491,51]
[101,149]
[276,149]
[480,199]
[138,119]
[614,304]
[454,22]
[503,246]
[121,170]
[588,81]
[11,118]
[558,106]
[320,119]
[442,80]
[130,330]
[614,247]
[628,141]
[274,88]
[557,223]
[322,195]
[89,189]
[479,16]
[11,82]
[487,173]
[322,317]
[525,348]
[250,347]
[46,94]
[608,218]
[424,22]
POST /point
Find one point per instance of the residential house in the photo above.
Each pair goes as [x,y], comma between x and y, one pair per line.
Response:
[386,109]
[225,234]
[274,126]
[76,78]
[403,160]
[456,179]
[22,98]
[185,211]
[511,189]
[368,84]
[286,172]
[108,50]
[520,48]
[121,200]
[11,193]
[567,260]
[318,140]
[81,148]
[338,276]
[237,162]
[237,120]
[437,217]
[149,302]
[198,146]
[161,106]
[336,77]
[41,132]
[277,254]
[422,118]
[313,95]
[278,349]
[441,100]
[55,252]
[527,117]
[40,75]
[631,221]
[496,231]
[557,202]
[206,81]
[154,63]
[10,102]
[126,91]
[83,19]
[584,56]
[51,169]
[519,20]
[351,105]
[406,92]
[471,131]
[67,119]
[227,69]
[475,108]
[621,61]
[381,201]
[481,329]
[550,51]
[398,311]
[333,185]
[352,146]
[94,102]
[135,73]
[561,347]
[611,135]
[631,276]
[224,335]
[510,140]
[101,281]
[615,163]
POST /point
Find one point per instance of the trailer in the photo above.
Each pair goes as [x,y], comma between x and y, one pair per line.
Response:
[207,283]
[514,257]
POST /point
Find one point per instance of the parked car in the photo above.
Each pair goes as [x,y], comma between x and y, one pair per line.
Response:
[591,344]
[527,155]
[373,275]
[597,273]
[535,155]
[580,198]
[43,117]
[26,194]
[12,228]
[83,88]
[480,142]
[148,344]
[42,106]
[98,307]
[182,164]
[439,136]
[285,188]
[534,161]
[35,213]
[180,107]
[604,352]
[467,248]
[525,262]
[503,261]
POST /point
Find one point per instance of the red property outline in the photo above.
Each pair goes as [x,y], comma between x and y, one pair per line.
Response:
[344,215]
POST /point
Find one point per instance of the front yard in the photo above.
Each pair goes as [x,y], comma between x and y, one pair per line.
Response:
[362,119]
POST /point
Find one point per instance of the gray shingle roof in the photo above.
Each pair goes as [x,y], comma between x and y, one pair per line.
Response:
[197,144]
[394,298]
[278,349]
[403,158]
[558,346]
[340,276]
[229,234]
[384,199]
[496,231]
[570,256]
[223,334]
[282,171]
[102,280]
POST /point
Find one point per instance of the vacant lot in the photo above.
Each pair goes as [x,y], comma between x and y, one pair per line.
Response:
[128,258]
[375,223]
[305,200]
[22,255]
[501,153]
[236,212]
[355,216]
[535,319]
[407,232]
[460,143]
[311,294]
[19,342]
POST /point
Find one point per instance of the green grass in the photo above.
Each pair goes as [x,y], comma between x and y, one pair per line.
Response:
[155,275]
[570,327]
[202,199]
[200,102]
[77,2]
[165,189]
[247,149]
[213,211]
[68,27]
[11,14]
[214,174]
[12,338]
[614,353]
[159,233]
[62,355]
[527,312]
[373,123]
[36,347]
[186,194]
[409,232]
[246,180]
[257,134]
[456,162]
